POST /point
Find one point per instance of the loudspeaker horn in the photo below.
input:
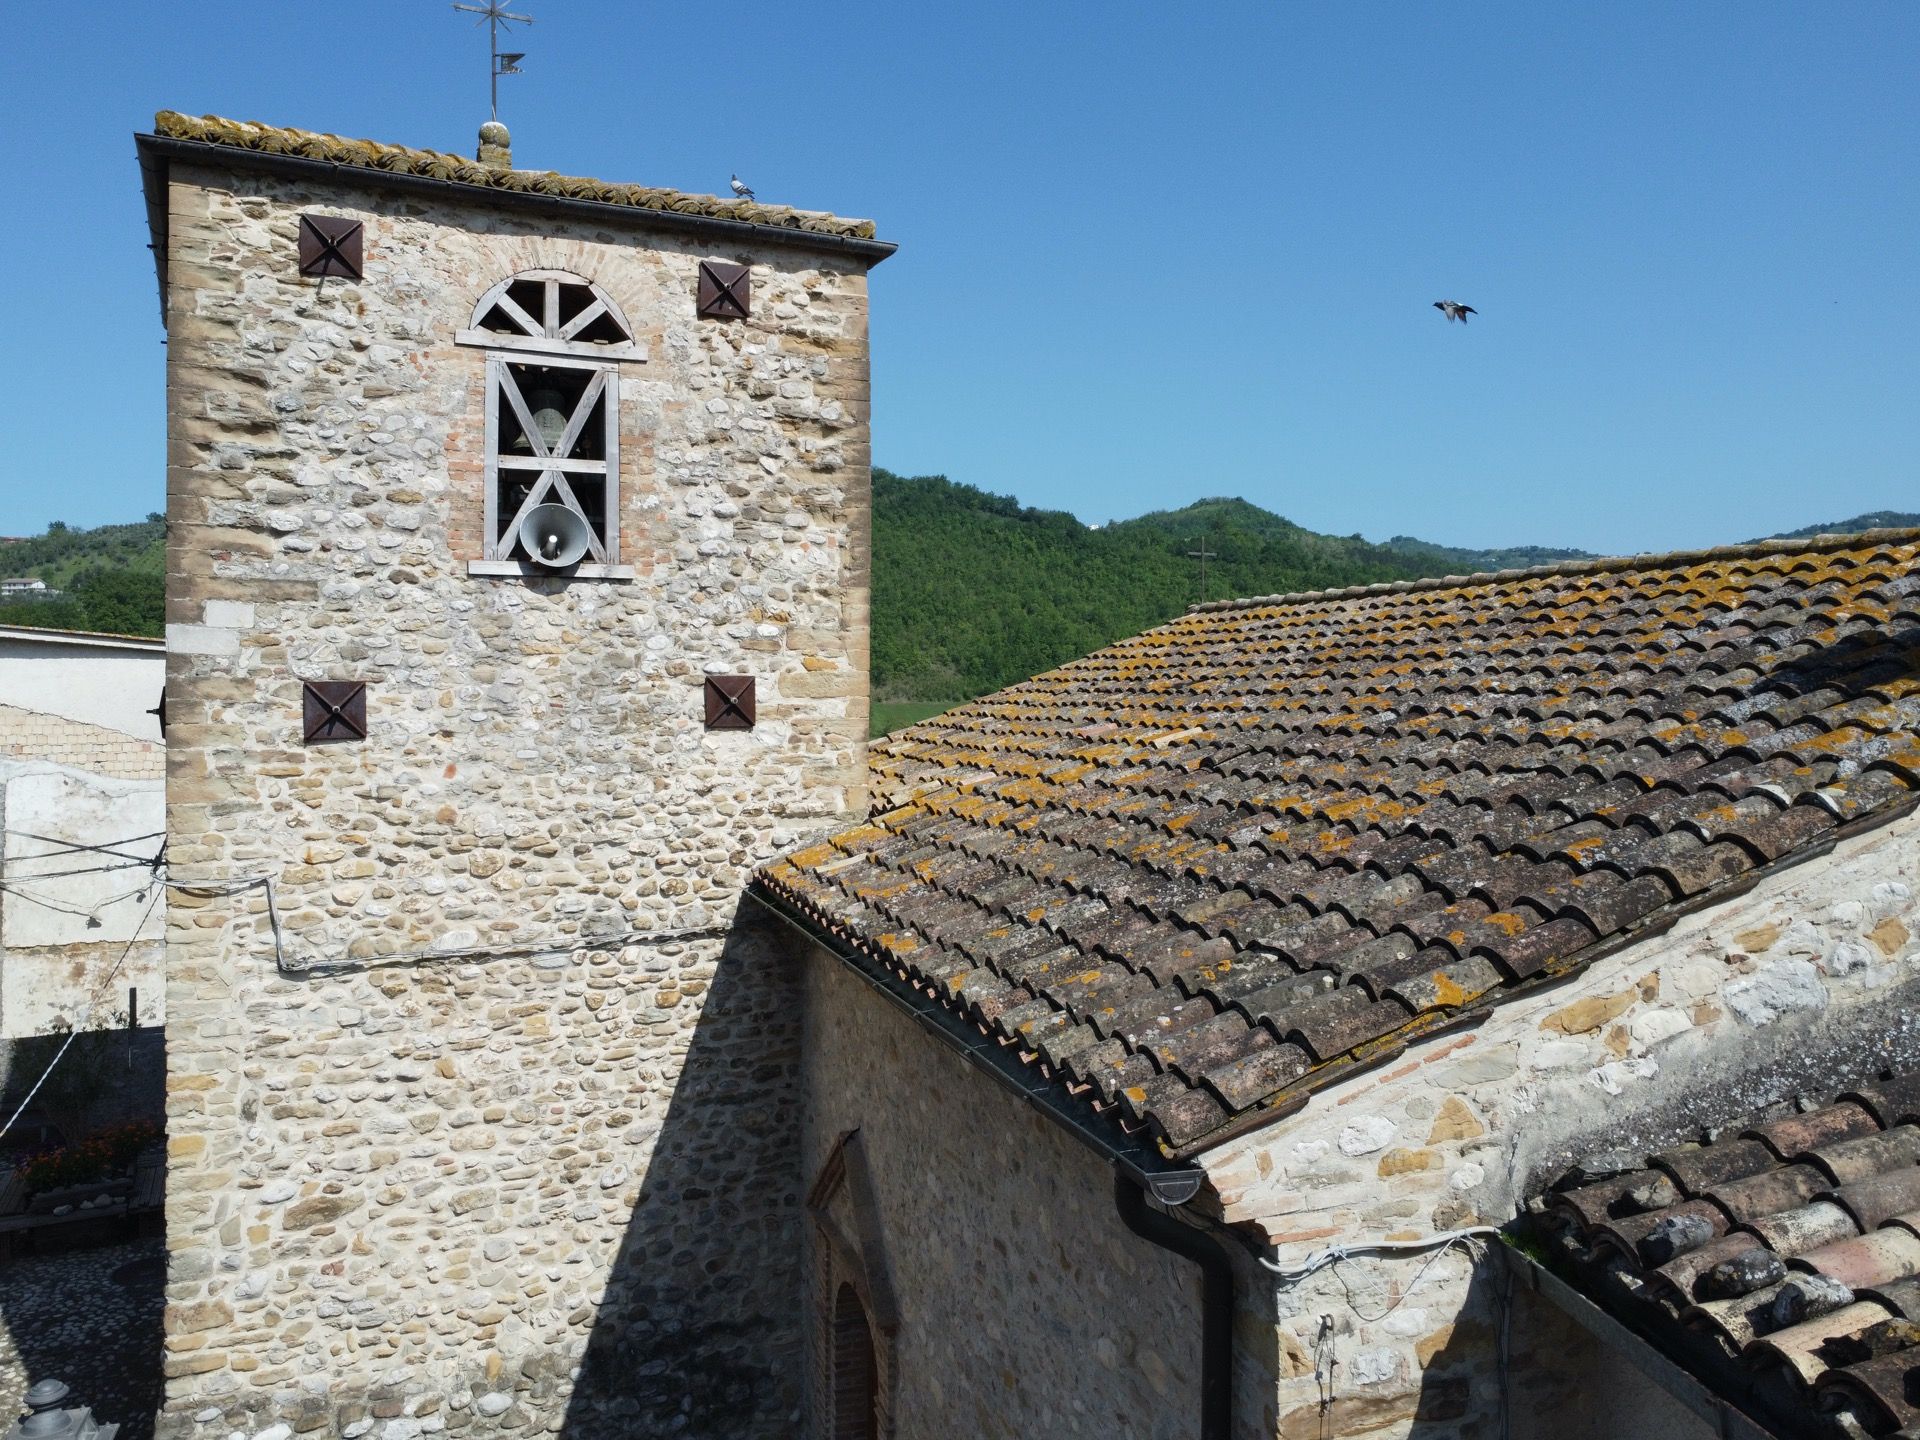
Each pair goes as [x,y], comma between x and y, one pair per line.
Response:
[555,536]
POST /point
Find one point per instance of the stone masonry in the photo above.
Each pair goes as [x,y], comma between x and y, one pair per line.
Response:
[1024,1305]
[1803,986]
[550,1179]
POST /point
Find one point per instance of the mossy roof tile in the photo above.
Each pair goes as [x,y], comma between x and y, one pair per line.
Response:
[1473,765]
[439,165]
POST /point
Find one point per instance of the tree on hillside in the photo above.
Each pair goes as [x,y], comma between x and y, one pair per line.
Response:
[124,602]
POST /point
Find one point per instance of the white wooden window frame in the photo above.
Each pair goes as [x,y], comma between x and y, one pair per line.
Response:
[550,343]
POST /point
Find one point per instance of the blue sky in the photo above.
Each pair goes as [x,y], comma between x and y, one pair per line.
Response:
[1148,253]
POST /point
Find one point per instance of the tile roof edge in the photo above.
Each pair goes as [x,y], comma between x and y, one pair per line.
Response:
[1598,565]
[1141,1162]
[379,158]
[1291,1099]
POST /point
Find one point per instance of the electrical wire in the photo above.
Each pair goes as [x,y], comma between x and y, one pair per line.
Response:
[1333,1254]
[92,914]
[86,870]
[86,1014]
[1465,1243]
[1469,1238]
[219,890]
[319,969]
[74,847]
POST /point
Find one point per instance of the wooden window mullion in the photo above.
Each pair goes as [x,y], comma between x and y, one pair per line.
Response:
[577,421]
[585,318]
[610,490]
[513,312]
[490,547]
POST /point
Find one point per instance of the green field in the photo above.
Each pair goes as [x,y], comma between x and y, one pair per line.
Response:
[892,716]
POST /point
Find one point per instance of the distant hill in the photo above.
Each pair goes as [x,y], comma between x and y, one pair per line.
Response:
[1450,560]
[1872,520]
[112,577]
[972,591]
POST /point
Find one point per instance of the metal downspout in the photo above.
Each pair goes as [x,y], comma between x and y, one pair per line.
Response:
[1216,1299]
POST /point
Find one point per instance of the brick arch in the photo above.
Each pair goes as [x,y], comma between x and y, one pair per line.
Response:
[856,1318]
[557,312]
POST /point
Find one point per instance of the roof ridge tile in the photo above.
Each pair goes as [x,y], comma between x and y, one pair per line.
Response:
[1596,565]
[441,165]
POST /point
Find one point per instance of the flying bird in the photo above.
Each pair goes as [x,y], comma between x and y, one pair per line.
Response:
[1454,310]
[742,189]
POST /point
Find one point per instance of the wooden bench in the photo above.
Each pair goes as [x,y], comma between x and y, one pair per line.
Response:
[144,1203]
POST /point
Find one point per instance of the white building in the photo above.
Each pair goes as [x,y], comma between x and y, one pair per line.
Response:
[81,699]
[82,806]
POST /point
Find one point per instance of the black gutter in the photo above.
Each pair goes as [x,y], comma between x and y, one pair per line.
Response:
[1216,1299]
[157,151]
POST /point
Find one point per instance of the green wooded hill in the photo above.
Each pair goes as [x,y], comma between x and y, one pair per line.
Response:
[972,591]
[1872,520]
[112,578]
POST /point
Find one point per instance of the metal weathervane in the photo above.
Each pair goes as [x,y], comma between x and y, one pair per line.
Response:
[504,62]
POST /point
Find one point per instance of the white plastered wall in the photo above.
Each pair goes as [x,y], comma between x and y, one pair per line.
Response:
[80,923]
[109,683]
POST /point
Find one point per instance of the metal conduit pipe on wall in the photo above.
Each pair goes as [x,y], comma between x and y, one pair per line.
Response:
[1216,1299]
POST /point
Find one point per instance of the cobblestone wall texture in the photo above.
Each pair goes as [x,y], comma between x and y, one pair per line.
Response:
[1026,1307]
[463,1196]
[31,735]
[1803,986]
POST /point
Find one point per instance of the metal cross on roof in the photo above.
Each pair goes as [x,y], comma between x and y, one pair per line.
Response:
[494,14]
[1203,554]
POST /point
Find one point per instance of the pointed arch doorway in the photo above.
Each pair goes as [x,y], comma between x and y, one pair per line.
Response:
[857,1318]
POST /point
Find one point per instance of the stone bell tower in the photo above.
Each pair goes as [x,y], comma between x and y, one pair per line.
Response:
[517,603]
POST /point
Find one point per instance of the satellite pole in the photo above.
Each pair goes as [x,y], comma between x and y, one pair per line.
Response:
[1203,554]
[503,63]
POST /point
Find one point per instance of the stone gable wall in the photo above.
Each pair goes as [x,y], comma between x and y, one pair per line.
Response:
[1804,985]
[460,1193]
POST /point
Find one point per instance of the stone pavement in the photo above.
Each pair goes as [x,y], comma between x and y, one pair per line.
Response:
[67,1316]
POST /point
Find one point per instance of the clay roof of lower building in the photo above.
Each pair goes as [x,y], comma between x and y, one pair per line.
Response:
[1203,872]
[435,164]
[1779,1260]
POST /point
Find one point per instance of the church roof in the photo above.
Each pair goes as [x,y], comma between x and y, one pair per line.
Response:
[247,135]
[1780,1261]
[1209,869]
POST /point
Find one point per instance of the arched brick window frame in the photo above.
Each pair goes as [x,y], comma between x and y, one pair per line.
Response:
[555,343]
[856,1319]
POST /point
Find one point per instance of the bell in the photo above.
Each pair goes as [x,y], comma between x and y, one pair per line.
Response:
[549,416]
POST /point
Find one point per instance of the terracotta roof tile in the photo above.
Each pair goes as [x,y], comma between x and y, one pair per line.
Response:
[401,159]
[1275,838]
[1782,1261]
